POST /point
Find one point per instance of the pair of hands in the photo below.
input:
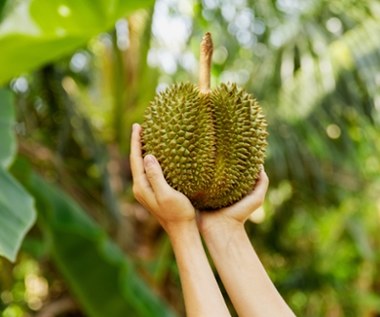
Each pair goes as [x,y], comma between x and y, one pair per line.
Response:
[248,285]
[172,208]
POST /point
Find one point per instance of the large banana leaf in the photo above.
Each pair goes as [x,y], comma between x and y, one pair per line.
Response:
[35,32]
[7,143]
[17,213]
[102,278]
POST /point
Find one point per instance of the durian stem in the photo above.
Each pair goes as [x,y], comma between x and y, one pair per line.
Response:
[205,63]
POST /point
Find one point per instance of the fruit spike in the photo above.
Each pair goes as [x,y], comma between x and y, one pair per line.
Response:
[210,143]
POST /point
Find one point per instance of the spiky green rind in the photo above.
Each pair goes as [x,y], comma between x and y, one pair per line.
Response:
[210,146]
[240,143]
[178,131]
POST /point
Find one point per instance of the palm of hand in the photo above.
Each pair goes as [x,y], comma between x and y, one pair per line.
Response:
[239,212]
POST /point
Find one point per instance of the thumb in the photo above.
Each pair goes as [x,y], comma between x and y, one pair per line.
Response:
[154,174]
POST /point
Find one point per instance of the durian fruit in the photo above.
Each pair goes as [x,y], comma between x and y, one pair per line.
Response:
[210,143]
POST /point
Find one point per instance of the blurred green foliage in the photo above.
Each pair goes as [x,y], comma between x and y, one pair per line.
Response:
[87,75]
[7,114]
[47,30]
[102,279]
[17,213]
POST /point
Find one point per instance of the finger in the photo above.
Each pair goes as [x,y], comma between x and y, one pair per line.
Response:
[260,189]
[137,163]
[147,200]
[256,198]
[262,183]
[142,189]
[155,176]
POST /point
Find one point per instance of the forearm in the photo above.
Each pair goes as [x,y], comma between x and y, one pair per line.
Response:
[245,279]
[200,289]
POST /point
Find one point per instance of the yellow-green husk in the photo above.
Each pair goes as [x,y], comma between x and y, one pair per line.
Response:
[210,145]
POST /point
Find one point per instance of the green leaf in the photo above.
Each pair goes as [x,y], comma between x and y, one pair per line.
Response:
[102,278]
[38,31]
[17,215]
[7,144]
[2,4]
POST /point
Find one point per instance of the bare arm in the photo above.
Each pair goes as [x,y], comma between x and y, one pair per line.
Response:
[244,277]
[177,216]
[200,290]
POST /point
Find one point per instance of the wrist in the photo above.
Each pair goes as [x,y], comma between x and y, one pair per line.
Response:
[219,227]
[180,229]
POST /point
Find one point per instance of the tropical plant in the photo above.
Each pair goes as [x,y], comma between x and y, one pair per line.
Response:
[76,75]
[104,281]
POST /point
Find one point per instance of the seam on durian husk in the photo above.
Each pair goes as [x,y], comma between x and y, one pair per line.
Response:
[219,198]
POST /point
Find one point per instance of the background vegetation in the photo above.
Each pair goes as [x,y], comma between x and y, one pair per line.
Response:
[76,74]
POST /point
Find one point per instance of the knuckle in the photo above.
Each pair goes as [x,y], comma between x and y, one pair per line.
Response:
[260,200]
[136,191]
[266,178]
[152,174]
[139,198]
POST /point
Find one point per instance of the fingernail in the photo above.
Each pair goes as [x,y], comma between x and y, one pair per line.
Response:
[134,126]
[149,160]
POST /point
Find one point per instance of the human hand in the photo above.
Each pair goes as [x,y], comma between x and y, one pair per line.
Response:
[236,214]
[171,208]
[244,277]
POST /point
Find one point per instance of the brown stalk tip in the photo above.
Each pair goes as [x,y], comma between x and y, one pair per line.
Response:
[206,50]
[207,45]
